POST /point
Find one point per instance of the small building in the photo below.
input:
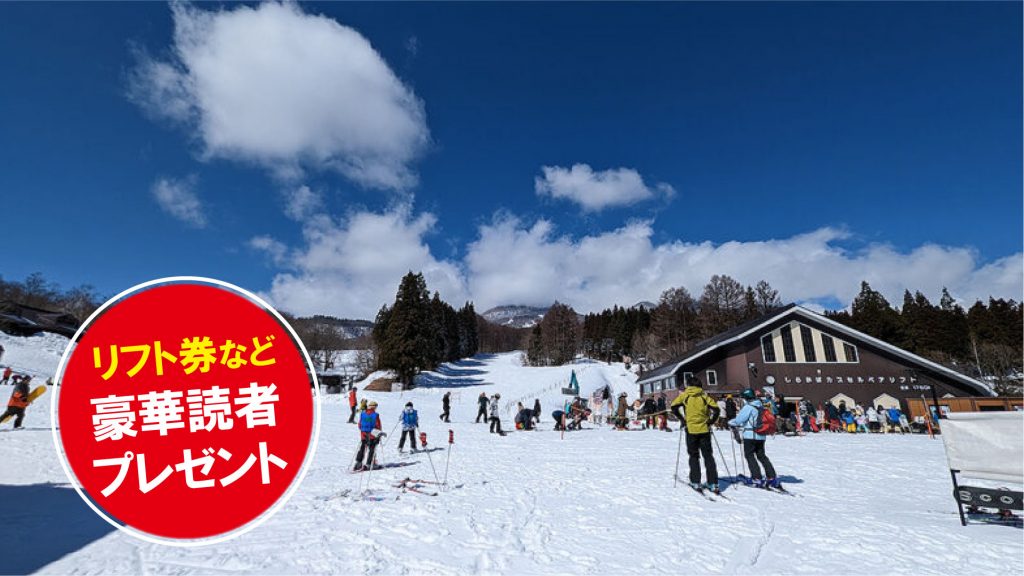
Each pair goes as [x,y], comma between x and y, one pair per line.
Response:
[801,354]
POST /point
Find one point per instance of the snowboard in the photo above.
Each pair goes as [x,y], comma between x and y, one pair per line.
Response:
[32,396]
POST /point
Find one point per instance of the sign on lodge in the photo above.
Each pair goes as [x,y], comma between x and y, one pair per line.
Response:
[804,355]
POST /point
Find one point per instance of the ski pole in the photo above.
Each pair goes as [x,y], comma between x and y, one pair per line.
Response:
[735,465]
[451,444]
[720,453]
[373,464]
[423,440]
[679,450]
[388,437]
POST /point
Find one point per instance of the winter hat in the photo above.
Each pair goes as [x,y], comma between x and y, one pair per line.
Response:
[748,394]
[408,404]
[371,404]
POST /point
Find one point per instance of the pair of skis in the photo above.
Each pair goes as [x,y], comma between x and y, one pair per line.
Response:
[417,486]
[749,482]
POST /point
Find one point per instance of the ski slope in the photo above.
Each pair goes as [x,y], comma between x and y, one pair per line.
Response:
[596,502]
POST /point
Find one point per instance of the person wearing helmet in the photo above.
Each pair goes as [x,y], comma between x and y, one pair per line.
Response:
[753,443]
[495,419]
[370,433]
[410,422]
[698,411]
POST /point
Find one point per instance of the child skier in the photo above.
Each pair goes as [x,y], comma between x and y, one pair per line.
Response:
[18,402]
[753,443]
[698,411]
[446,406]
[370,433]
[410,422]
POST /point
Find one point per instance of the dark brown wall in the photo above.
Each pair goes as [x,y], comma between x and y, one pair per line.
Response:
[878,372]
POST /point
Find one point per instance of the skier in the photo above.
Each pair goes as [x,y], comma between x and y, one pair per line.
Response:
[621,422]
[647,410]
[730,408]
[495,420]
[577,413]
[753,443]
[557,416]
[7,375]
[352,405]
[446,406]
[482,412]
[410,422]
[700,410]
[370,433]
[18,402]
[894,420]
[536,410]
[872,417]
[524,419]
[662,409]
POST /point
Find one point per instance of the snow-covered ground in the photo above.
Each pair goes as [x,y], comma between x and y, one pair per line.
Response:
[597,501]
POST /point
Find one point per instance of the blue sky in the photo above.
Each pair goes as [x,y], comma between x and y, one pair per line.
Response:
[516,153]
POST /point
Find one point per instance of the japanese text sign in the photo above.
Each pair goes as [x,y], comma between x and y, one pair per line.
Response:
[185,411]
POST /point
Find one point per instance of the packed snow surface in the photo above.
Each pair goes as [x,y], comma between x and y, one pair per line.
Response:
[596,502]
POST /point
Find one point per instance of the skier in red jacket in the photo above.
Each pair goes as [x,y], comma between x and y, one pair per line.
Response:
[352,405]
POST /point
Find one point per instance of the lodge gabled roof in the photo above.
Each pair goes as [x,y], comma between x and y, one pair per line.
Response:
[746,329]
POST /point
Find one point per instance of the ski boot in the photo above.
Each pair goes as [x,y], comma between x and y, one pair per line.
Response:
[760,483]
[358,468]
[697,486]
[713,487]
[774,484]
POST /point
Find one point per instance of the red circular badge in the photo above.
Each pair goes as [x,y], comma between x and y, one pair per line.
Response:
[186,410]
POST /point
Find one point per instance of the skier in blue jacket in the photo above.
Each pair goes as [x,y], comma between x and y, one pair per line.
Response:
[753,443]
[410,422]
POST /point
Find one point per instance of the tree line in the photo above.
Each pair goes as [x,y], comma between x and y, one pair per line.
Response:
[36,291]
[418,332]
[667,330]
[985,340]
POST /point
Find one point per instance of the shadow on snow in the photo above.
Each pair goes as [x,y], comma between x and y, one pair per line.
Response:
[55,513]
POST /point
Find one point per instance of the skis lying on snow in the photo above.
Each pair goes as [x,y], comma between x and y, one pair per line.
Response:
[409,485]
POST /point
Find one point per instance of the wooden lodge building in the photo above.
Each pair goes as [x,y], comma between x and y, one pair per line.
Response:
[802,354]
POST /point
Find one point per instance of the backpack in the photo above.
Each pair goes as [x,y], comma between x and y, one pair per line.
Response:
[765,422]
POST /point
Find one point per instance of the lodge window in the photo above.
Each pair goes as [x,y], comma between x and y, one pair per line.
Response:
[808,340]
[788,352]
[686,378]
[768,348]
[850,351]
[712,378]
[829,346]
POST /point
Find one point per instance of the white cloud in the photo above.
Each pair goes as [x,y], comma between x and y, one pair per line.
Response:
[594,191]
[273,85]
[178,198]
[516,262]
[302,203]
[350,267]
[275,249]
